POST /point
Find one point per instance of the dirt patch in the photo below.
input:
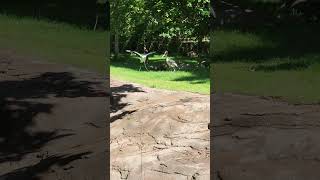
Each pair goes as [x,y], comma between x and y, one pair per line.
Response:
[44,133]
[158,134]
[263,138]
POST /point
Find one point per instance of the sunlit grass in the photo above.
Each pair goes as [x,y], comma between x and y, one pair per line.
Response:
[192,80]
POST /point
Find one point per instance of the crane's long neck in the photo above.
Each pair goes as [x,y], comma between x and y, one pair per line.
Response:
[140,55]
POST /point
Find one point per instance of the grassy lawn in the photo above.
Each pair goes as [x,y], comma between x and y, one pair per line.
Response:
[63,43]
[192,79]
[273,62]
[282,62]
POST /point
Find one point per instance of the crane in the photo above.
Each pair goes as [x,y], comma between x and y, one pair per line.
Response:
[143,57]
[170,62]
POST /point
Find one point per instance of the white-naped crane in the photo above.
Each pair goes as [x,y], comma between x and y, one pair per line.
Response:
[170,62]
[143,57]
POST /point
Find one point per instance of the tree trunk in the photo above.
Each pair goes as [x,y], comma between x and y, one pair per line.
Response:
[116,44]
[200,45]
[211,46]
[213,17]
[180,45]
[125,45]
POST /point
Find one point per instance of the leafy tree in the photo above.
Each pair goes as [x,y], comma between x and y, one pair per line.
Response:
[140,22]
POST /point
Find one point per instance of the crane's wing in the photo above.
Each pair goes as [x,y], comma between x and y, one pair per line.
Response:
[134,52]
[172,62]
[150,53]
[138,54]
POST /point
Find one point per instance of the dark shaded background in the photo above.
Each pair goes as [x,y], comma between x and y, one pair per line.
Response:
[78,12]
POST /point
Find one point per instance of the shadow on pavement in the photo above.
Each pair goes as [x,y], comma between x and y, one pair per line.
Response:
[118,93]
[31,172]
[19,107]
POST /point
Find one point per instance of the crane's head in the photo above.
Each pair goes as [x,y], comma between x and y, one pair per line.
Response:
[165,54]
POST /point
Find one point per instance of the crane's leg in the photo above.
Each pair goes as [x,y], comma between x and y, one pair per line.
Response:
[95,25]
[145,65]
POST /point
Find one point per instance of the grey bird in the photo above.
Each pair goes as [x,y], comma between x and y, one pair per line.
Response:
[143,57]
[170,62]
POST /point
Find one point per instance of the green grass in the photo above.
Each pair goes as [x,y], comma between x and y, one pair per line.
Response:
[283,63]
[191,79]
[63,43]
[286,60]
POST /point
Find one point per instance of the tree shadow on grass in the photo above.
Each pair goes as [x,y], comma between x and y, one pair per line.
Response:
[285,66]
[196,78]
[19,107]
[298,44]
[262,34]
[32,172]
[198,73]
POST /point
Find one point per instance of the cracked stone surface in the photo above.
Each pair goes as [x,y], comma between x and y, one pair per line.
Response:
[263,138]
[158,134]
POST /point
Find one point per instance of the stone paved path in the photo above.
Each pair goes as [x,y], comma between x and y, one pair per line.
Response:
[158,134]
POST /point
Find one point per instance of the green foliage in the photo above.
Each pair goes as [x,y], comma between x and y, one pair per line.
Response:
[151,20]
